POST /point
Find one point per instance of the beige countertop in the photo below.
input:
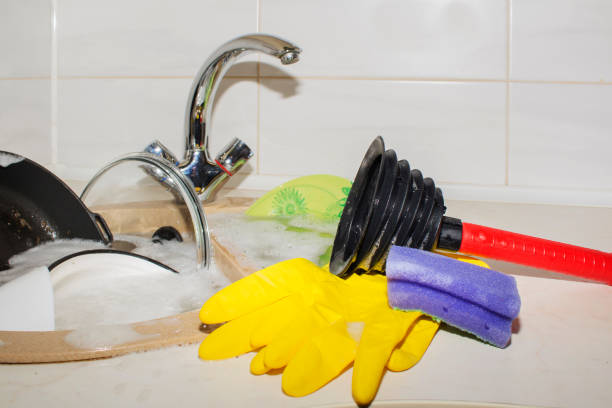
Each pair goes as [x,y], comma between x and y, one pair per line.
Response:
[559,356]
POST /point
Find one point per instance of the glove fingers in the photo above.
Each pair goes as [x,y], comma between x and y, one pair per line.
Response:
[234,337]
[414,345]
[260,289]
[258,366]
[319,361]
[309,321]
[380,336]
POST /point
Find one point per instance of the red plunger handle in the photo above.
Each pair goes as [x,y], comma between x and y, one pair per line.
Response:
[540,253]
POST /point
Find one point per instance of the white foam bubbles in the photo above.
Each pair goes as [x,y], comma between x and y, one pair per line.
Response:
[261,242]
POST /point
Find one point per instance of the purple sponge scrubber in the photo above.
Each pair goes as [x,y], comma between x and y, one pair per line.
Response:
[472,298]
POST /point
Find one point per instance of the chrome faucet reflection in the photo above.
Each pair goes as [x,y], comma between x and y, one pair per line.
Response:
[205,173]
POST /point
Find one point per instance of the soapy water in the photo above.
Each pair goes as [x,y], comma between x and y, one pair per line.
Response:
[261,242]
[44,255]
[258,243]
[105,337]
[113,299]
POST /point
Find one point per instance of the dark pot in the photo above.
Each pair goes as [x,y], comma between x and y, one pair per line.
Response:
[36,207]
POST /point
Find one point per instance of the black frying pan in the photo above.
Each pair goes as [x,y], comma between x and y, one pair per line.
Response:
[36,207]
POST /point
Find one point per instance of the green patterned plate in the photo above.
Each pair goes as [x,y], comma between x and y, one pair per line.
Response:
[320,196]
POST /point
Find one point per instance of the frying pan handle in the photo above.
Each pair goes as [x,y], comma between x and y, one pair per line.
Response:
[103,227]
[540,253]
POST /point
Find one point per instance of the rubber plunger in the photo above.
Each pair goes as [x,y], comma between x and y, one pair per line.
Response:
[412,207]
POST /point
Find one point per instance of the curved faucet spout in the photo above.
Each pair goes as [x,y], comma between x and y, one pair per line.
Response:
[205,173]
[204,88]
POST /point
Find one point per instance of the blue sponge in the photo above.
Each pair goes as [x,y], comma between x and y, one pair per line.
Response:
[472,298]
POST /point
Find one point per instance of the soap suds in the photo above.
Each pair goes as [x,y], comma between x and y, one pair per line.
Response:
[105,337]
[6,159]
[44,255]
[172,322]
[111,300]
[265,241]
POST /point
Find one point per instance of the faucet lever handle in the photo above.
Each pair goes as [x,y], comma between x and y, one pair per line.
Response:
[233,156]
[158,149]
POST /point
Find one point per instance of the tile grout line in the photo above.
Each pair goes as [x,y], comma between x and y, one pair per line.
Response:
[507,137]
[32,78]
[258,95]
[426,79]
[54,86]
[77,77]
[507,113]
[321,78]
[258,121]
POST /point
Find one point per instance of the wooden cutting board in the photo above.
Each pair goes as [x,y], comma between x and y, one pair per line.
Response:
[115,340]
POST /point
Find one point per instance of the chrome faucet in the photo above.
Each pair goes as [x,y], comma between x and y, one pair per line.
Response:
[205,173]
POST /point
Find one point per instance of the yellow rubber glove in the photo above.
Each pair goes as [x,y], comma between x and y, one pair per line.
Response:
[315,324]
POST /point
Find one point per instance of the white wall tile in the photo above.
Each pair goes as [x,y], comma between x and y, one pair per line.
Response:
[142,37]
[566,40]
[25,118]
[361,50]
[393,38]
[25,38]
[560,136]
[100,119]
[451,131]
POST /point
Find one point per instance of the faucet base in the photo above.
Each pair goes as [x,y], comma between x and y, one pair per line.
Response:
[205,176]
